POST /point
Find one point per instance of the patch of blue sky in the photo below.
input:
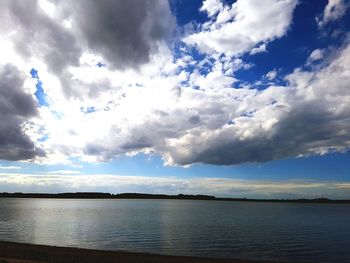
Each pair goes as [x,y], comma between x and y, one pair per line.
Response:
[39,93]
[34,73]
[101,64]
[328,167]
[180,51]
[44,138]
[187,11]
[88,110]
[263,83]
[285,54]
[292,50]
[12,166]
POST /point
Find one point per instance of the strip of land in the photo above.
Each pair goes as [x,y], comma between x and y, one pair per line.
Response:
[94,195]
[19,253]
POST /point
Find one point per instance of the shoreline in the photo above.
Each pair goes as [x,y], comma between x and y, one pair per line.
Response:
[11,252]
[140,196]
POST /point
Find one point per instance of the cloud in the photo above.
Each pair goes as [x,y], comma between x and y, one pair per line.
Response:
[35,34]
[315,55]
[271,74]
[16,108]
[125,33]
[64,172]
[10,167]
[309,116]
[334,10]
[214,123]
[221,187]
[240,28]
[149,98]
[259,49]
[212,7]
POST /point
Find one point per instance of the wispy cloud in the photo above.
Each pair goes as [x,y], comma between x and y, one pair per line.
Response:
[10,167]
[64,172]
[334,10]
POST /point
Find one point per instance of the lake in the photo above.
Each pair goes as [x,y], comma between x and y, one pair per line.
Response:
[247,230]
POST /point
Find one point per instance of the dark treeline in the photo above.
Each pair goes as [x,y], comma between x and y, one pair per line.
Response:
[97,195]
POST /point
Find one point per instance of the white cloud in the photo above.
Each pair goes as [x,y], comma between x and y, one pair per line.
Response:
[10,167]
[212,7]
[64,172]
[334,10]
[315,55]
[259,49]
[271,74]
[309,116]
[252,23]
[161,115]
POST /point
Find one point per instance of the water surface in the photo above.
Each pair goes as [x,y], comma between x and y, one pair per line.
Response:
[247,230]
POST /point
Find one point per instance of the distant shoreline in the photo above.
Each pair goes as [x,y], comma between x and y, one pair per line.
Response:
[97,195]
[11,252]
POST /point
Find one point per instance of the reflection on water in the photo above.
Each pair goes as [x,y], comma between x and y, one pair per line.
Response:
[278,231]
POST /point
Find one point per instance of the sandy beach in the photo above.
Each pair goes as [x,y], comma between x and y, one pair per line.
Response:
[27,253]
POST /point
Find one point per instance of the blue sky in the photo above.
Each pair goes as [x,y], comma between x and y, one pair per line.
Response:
[252,100]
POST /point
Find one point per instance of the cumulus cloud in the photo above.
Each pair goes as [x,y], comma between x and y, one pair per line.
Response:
[218,124]
[334,10]
[244,25]
[125,33]
[212,7]
[214,123]
[147,99]
[16,107]
[35,34]
[309,116]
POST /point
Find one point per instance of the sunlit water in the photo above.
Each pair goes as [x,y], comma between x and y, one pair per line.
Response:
[270,231]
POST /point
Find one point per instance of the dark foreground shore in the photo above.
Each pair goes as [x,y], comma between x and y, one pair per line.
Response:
[20,253]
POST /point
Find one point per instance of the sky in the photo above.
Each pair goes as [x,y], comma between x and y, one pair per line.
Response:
[243,98]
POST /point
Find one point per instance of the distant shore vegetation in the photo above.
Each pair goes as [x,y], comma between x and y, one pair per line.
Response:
[99,195]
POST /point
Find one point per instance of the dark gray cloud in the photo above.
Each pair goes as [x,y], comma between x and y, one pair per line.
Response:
[124,32]
[16,106]
[304,131]
[40,36]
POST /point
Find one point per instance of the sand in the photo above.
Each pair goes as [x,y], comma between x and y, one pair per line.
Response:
[26,253]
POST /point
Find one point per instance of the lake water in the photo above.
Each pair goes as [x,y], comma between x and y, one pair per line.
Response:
[270,231]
